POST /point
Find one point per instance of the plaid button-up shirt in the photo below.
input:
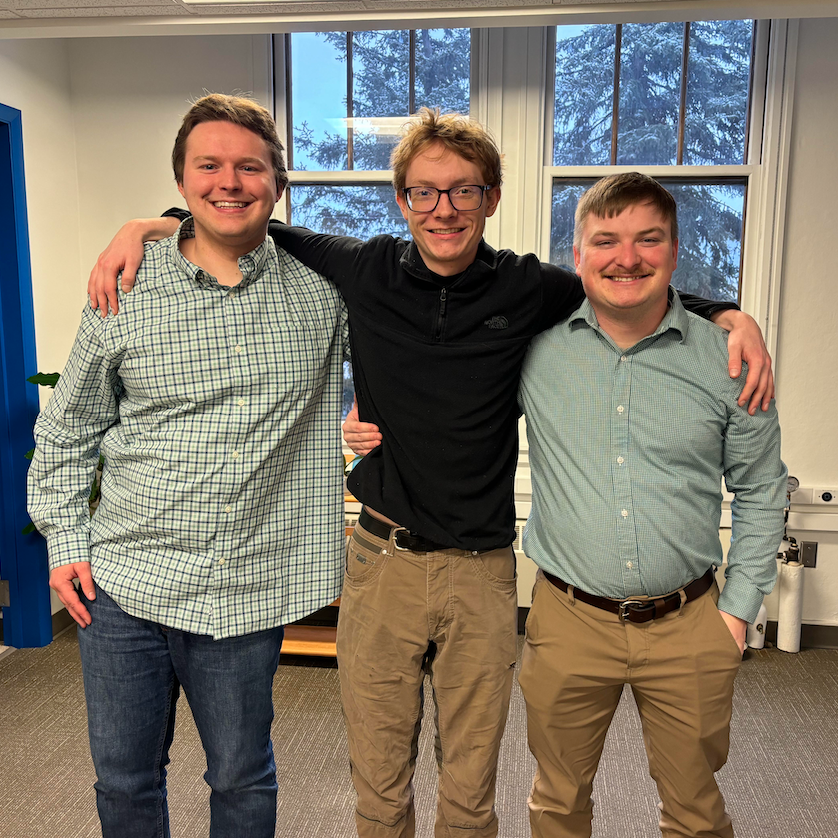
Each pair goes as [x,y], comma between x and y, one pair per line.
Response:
[218,413]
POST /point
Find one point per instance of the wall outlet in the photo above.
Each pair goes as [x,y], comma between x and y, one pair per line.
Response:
[809,553]
[826,496]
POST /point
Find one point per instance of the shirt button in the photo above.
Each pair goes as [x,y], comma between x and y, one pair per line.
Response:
[228,508]
[241,402]
[622,357]
[620,460]
[624,513]
[235,455]
[238,349]
[629,565]
[620,409]
[221,561]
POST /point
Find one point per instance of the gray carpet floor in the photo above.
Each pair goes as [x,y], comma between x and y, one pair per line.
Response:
[781,780]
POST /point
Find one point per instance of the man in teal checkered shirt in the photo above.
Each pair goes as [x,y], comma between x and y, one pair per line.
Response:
[633,422]
[221,516]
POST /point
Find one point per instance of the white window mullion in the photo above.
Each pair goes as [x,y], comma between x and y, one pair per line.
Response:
[765,219]
[510,99]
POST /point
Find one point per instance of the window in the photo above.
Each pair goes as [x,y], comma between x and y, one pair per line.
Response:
[670,99]
[348,94]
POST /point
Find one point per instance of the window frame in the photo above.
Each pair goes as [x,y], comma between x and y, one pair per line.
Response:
[329,177]
[511,93]
[765,170]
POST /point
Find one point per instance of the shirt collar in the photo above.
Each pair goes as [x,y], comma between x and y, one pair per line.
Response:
[251,264]
[675,320]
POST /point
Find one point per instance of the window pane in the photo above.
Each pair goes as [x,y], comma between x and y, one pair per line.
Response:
[381,82]
[381,92]
[584,94]
[566,194]
[718,80]
[650,93]
[443,69]
[361,211]
[710,223]
[318,101]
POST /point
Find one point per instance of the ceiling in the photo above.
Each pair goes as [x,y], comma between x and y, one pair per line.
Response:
[86,18]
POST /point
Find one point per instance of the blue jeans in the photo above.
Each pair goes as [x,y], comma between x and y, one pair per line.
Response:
[133,671]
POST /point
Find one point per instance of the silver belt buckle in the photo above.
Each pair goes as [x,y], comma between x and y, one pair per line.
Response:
[625,605]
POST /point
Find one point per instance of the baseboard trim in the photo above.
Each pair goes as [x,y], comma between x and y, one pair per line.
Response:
[61,621]
[811,636]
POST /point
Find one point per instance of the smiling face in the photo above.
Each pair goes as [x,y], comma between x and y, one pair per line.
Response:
[229,185]
[447,239]
[626,263]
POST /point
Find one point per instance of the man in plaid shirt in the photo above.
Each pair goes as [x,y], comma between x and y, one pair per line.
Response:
[213,428]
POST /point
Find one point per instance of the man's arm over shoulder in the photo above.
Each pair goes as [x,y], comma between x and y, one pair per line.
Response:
[562,294]
[335,257]
[755,474]
[119,262]
[746,345]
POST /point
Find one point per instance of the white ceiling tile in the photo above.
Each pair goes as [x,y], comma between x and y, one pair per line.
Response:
[103,12]
[106,6]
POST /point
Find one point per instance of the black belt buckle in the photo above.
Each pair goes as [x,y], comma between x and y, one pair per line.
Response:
[402,540]
[629,606]
[413,542]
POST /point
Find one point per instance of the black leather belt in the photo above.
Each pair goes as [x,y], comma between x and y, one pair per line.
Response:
[405,540]
[640,610]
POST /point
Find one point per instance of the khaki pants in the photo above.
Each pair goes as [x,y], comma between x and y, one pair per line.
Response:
[449,613]
[681,669]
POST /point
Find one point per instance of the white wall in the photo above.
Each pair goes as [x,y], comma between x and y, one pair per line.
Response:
[129,96]
[34,78]
[807,355]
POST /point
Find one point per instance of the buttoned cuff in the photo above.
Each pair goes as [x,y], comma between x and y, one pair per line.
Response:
[740,599]
[68,547]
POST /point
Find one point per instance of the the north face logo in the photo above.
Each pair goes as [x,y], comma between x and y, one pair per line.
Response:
[497,322]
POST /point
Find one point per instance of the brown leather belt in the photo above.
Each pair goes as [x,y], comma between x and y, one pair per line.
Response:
[405,540]
[640,610]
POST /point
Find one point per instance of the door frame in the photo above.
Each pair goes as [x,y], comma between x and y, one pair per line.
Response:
[27,620]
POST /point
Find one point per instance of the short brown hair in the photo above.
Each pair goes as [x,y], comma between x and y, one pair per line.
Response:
[613,194]
[219,107]
[455,131]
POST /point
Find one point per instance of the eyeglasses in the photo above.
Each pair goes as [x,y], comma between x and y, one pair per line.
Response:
[462,198]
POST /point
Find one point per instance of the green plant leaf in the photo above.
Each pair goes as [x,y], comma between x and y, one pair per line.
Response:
[30,454]
[45,379]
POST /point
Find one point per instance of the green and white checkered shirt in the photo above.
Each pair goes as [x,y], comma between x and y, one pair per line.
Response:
[218,413]
[628,450]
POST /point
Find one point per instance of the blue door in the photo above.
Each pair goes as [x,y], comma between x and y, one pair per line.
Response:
[23,565]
